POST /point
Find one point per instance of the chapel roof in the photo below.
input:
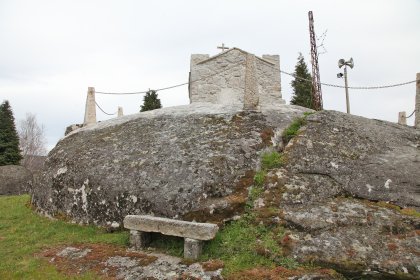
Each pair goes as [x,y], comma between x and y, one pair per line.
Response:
[231,49]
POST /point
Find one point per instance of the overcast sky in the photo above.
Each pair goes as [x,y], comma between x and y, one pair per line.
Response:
[52,51]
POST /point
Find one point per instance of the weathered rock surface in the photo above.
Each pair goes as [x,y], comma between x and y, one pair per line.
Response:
[348,193]
[369,159]
[338,167]
[114,263]
[192,162]
[14,179]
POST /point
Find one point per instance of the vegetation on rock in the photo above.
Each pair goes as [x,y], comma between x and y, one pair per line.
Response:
[9,140]
[292,130]
[270,160]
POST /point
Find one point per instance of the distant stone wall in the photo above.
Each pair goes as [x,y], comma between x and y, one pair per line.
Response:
[14,179]
[221,79]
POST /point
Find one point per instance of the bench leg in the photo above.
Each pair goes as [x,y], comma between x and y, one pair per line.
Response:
[139,239]
[192,248]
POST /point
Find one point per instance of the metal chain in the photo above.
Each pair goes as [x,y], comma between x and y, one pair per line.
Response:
[284,72]
[170,87]
[411,114]
[103,110]
[340,86]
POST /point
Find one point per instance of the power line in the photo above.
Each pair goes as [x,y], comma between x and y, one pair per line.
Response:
[103,110]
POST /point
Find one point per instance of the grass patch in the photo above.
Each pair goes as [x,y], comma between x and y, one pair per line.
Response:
[292,129]
[410,212]
[259,177]
[405,211]
[243,245]
[23,233]
[270,160]
[170,244]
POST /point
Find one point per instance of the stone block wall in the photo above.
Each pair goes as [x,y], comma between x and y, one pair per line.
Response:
[221,79]
[268,77]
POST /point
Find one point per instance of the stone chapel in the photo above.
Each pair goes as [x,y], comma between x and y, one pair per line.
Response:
[235,77]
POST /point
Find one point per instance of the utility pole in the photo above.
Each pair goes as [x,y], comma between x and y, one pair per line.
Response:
[347,90]
[417,105]
[344,63]
[316,80]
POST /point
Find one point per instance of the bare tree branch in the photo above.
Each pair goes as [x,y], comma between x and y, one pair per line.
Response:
[32,140]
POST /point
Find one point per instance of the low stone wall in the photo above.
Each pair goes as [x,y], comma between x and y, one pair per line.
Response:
[14,179]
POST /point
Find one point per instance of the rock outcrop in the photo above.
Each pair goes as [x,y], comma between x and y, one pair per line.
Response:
[14,179]
[350,194]
[193,162]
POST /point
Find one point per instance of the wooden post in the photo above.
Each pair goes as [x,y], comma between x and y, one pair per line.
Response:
[90,109]
[417,108]
[402,119]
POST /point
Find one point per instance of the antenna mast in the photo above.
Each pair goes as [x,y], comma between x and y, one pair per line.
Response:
[316,81]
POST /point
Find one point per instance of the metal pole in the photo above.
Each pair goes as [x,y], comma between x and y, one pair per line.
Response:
[417,104]
[347,90]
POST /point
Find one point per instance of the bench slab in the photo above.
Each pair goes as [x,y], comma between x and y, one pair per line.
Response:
[192,230]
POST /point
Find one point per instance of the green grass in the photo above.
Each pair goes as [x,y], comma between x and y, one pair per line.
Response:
[292,130]
[270,160]
[239,246]
[171,245]
[23,234]
[259,177]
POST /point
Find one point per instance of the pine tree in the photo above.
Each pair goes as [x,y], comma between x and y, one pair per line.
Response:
[9,140]
[302,89]
[150,101]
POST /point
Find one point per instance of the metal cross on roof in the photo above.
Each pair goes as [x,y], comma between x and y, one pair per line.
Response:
[223,48]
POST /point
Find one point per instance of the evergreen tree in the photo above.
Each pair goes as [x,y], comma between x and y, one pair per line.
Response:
[9,140]
[302,89]
[150,101]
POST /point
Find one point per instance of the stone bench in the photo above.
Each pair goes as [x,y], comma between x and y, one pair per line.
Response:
[194,234]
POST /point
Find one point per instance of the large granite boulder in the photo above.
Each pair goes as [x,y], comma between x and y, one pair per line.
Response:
[14,179]
[193,162]
[349,193]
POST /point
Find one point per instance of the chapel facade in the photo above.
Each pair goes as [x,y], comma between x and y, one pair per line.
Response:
[235,77]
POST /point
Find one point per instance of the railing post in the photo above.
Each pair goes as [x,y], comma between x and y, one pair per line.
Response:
[90,110]
[402,119]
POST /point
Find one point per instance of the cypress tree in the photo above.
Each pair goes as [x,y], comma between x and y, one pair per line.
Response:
[302,89]
[9,139]
[150,101]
